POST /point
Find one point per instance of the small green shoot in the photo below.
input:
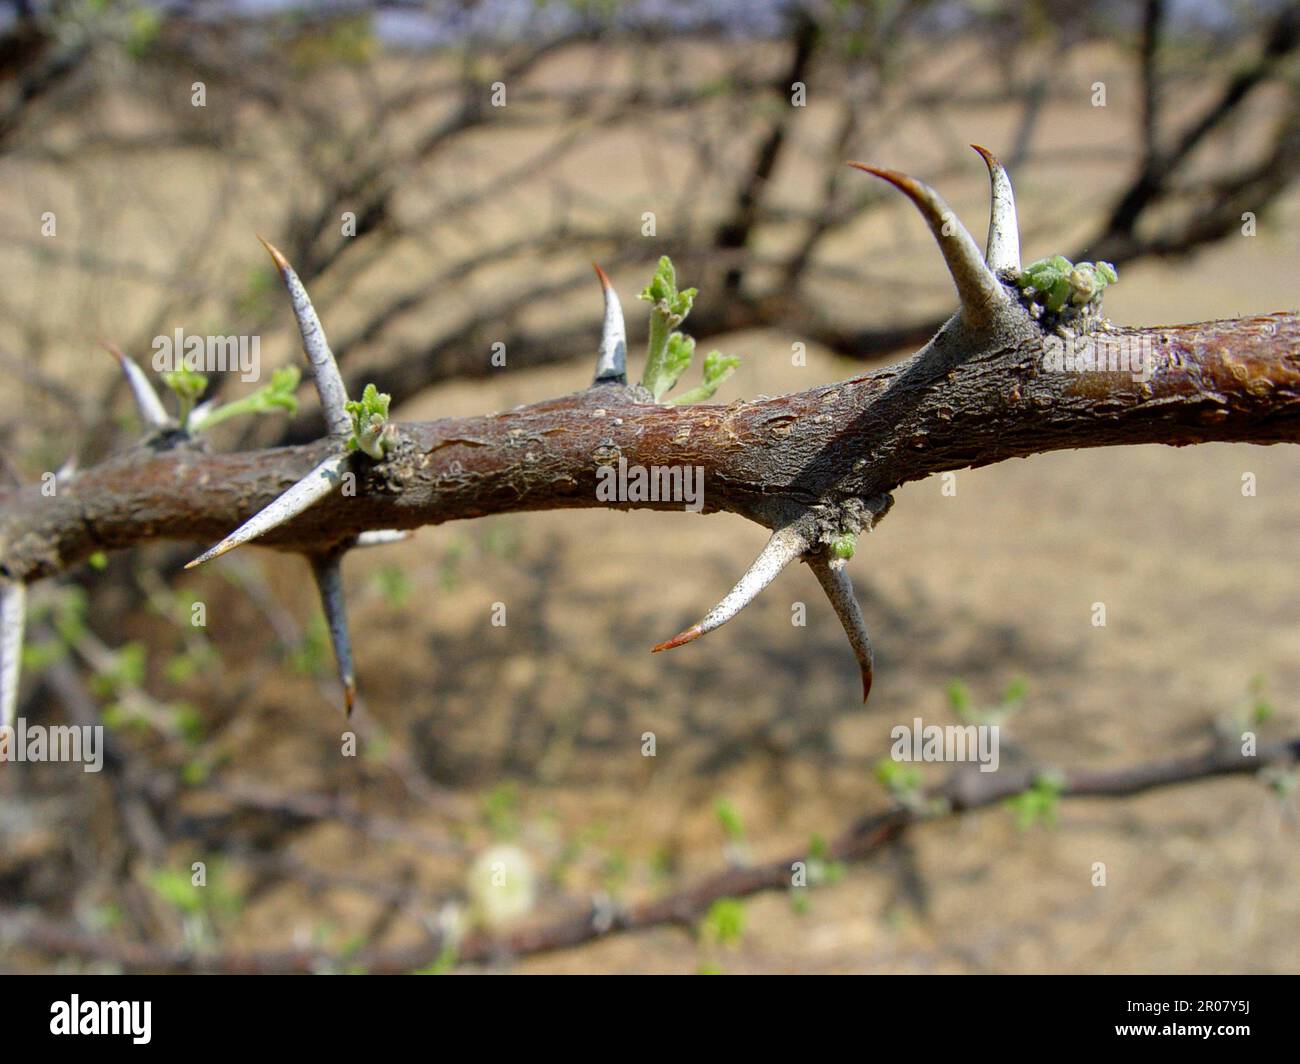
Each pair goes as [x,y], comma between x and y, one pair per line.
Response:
[669,353]
[270,398]
[724,923]
[717,368]
[843,545]
[900,779]
[1038,804]
[732,826]
[1056,282]
[188,386]
[371,431]
[668,309]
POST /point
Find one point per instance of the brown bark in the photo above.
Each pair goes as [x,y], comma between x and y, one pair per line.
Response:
[957,403]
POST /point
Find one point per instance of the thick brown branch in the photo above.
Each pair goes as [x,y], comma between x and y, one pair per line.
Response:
[954,404]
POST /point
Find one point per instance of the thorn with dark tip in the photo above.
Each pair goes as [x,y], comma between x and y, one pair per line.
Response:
[611,363]
[784,547]
[147,401]
[835,581]
[329,581]
[13,616]
[309,490]
[1003,251]
[978,288]
[329,382]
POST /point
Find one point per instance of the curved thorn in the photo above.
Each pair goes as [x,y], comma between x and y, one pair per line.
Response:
[13,615]
[839,589]
[329,582]
[383,537]
[329,383]
[311,489]
[611,363]
[784,547]
[152,411]
[978,288]
[1003,253]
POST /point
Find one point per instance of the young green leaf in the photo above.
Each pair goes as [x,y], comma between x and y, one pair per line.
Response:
[677,359]
[370,429]
[842,546]
[188,387]
[717,368]
[668,309]
[278,395]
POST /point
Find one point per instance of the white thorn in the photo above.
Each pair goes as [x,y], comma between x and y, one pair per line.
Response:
[611,363]
[784,547]
[383,537]
[329,581]
[1003,253]
[311,489]
[13,615]
[200,413]
[152,411]
[834,578]
[980,292]
[329,383]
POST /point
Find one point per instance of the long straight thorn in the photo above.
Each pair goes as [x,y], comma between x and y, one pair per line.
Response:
[611,363]
[13,614]
[835,581]
[784,547]
[978,288]
[147,402]
[1003,251]
[329,382]
[311,489]
[329,581]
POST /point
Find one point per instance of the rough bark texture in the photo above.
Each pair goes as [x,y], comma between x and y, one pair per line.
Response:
[956,403]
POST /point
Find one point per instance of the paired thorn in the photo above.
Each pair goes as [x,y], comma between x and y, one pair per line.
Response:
[611,363]
[13,615]
[835,581]
[147,401]
[978,288]
[329,382]
[308,491]
[382,537]
[785,546]
[329,581]
[1003,251]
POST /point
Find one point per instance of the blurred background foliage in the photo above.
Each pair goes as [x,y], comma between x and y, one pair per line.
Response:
[430,224]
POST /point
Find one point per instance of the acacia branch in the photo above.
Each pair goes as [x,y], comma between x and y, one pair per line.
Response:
[949,407]
[817,467]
